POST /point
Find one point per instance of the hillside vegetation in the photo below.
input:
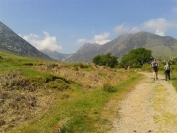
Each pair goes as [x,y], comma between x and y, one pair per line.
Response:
[47,96]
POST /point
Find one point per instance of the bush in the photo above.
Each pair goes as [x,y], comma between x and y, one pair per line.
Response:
[136,58]
[105,60]
[108,87]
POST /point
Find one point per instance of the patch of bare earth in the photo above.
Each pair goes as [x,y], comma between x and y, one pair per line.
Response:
[150,107]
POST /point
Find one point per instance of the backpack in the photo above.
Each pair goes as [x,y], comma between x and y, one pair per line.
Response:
[167,67]
[154,64]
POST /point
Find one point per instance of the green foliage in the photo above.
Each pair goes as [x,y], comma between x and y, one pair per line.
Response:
[109,88]
[105,60]
[136,58]
[174,78]
[171,60]
[82,112]
[77,66]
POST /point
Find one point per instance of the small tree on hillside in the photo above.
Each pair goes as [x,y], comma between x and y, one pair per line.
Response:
[105,60]
[136,57]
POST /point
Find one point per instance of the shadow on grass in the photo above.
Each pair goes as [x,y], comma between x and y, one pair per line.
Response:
[173,79]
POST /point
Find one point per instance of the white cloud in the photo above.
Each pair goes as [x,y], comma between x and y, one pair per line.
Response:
[159,32]
[102,38]
[157,26]
[47,42]
[99,39]
[125,29]
[102,42]
[122,29]
[81,40]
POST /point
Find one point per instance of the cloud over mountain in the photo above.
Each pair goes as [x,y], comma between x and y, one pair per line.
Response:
[47,42]
[99,39]
[157,26]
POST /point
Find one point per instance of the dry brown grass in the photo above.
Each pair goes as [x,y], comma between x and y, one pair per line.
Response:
[19,100]
[95,78]
[22,99]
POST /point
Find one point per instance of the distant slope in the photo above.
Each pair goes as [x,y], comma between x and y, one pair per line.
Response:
[84,54]
[10,41]
[161,46]
[55,55]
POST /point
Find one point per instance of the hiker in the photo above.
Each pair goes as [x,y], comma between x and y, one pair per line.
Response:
[154,65]
[167,68]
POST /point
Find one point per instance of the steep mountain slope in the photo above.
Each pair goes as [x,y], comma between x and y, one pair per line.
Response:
[10,41]
[161,46]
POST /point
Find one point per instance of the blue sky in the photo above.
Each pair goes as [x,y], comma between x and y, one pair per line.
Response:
[65,25]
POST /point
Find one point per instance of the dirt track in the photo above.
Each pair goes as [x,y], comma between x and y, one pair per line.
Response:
[150,108]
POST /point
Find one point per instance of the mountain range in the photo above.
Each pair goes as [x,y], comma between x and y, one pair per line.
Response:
[12,42]
[161,46]
[55,55]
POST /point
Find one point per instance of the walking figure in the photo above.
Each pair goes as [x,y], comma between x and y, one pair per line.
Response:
[154,65]
[167,68]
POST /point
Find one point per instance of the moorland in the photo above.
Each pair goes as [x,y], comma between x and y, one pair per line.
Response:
[38,95]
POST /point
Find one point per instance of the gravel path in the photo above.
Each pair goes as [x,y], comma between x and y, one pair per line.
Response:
[150,108]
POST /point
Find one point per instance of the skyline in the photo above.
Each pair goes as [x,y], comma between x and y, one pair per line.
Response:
[66,25]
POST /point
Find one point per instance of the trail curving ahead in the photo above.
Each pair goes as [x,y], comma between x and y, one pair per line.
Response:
[150,108]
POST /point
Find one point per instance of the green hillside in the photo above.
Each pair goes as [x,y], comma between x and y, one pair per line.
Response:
[46,96]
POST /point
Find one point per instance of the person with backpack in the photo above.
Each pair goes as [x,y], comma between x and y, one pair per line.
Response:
[167,68]
[154,65]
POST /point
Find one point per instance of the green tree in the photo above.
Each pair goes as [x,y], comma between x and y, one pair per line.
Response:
[105,60]
[136,57]
[97,59]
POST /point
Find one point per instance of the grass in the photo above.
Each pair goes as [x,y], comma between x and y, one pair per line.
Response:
[75,109]
[82,112]
[174,76]
[15,63]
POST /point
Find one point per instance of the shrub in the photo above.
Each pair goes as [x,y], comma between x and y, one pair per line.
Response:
[108,87]
[136,58]
[105,60]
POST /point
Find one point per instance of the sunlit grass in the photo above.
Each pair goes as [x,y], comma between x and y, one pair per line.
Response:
[82,112]
[174,78]
[75,109]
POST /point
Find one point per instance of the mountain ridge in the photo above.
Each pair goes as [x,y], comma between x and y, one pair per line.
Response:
[161,46]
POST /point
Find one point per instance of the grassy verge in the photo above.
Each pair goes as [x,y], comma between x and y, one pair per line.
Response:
[82,111]
[174,79]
